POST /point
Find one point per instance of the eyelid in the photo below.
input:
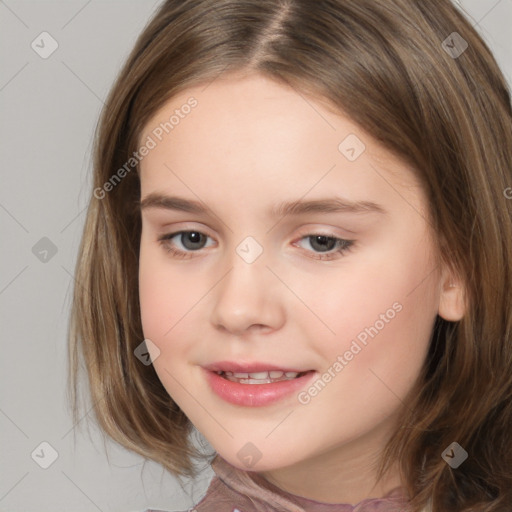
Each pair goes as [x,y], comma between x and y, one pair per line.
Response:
[180,227]
[330,231]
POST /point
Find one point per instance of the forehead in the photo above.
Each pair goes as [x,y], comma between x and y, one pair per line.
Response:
[247,98]
[253,137]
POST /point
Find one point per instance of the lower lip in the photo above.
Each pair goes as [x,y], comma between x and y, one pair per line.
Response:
[255,395]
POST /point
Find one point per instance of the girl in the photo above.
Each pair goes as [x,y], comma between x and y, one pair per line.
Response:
[299,242]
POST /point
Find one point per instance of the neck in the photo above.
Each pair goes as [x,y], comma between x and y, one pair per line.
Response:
[343,474]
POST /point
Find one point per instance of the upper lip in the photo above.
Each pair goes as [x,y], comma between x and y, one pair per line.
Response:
[254,367]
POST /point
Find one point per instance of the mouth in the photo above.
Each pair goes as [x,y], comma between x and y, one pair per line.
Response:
[265,377]
[257,388]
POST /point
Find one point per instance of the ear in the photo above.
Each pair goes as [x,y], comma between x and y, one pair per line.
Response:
[452,306]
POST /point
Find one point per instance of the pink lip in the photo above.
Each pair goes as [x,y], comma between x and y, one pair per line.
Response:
[255,395]
[231,366]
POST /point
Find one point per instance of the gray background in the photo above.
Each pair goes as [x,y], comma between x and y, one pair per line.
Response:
[49,108]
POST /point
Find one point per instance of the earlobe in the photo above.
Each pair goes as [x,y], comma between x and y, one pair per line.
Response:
[452,305]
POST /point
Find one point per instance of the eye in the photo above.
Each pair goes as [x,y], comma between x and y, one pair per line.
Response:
[325,244]
[191,241]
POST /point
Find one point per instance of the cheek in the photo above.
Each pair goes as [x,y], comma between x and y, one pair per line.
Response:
[383,311]
[402,349]
[154,298]
[162,294]
[163,303]
[374,287]
[382,340]
[170,308]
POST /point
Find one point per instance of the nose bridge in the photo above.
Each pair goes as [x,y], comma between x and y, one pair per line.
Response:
[247,294]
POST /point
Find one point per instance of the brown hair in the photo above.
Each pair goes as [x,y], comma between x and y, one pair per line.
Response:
[384,64]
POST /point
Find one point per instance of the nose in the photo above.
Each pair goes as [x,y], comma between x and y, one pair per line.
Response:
[249,297]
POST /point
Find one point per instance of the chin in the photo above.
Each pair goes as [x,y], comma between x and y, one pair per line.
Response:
[241,460]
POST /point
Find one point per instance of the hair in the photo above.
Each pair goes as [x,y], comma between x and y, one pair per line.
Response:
[382,63]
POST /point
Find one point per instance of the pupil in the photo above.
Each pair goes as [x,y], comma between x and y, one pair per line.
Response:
[192,237]
[325,242]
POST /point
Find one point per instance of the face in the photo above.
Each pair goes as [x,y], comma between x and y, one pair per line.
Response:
[346,293]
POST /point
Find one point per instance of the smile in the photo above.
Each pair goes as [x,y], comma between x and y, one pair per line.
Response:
[260,377]
[257,389]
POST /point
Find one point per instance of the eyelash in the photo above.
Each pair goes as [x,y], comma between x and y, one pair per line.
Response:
[346,245]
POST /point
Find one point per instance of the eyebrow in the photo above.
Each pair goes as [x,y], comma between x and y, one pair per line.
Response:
[297,207]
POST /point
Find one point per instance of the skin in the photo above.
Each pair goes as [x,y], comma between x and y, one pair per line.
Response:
[249,144]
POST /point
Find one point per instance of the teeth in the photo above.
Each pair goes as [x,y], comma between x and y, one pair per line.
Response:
[259,377]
